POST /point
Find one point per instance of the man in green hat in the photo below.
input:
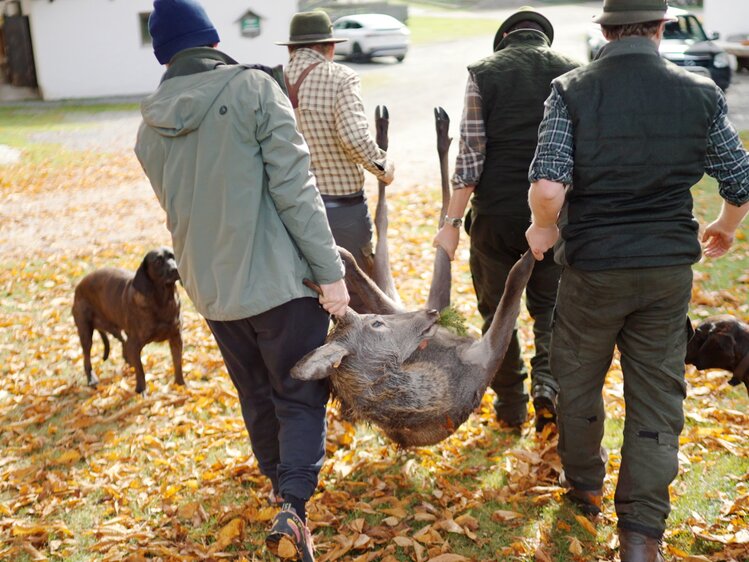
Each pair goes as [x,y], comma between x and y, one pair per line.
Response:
[330,115]
[622,142]
[503,107]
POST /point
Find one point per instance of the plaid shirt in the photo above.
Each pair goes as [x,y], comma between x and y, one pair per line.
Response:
[472,151]
[331,118]
[726,159]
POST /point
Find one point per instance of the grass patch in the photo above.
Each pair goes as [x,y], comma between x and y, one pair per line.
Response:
[432,29]
[18,125]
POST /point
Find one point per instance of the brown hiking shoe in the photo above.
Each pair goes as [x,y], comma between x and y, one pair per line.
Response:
[587,501]
[636,547]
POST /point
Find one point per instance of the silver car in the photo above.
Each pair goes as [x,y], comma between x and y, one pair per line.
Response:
[371,35]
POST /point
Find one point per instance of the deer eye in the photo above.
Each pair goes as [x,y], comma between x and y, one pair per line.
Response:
[377,324]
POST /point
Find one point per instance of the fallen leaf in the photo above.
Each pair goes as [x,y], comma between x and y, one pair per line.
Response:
[286,548]
[576,546]
[448,558]
[502,515]
[586,524]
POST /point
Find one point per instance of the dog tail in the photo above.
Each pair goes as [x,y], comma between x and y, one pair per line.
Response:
[105,339]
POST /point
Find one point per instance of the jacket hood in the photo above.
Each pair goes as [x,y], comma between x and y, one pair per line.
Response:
[181,103]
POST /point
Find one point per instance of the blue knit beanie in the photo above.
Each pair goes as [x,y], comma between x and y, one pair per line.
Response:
[175,25]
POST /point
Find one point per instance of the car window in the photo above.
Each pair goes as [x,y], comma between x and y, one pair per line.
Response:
[354,25]
[685,28]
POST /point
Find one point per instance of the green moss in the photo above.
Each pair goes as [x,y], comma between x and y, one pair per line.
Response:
[453,320]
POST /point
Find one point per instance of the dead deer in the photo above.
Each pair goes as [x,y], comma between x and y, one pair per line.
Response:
[400,370]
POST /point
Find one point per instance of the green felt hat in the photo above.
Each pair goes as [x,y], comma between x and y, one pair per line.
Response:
[310,27]
[623,12]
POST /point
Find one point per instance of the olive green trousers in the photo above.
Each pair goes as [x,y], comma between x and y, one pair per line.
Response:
[643,312]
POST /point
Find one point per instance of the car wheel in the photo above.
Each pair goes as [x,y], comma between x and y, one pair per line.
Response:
[357,55]
[400,58]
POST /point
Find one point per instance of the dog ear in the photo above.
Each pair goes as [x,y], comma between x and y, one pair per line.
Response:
[142,281]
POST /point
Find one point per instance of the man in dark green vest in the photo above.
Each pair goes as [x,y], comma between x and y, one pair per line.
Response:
[503,107]
[622,142]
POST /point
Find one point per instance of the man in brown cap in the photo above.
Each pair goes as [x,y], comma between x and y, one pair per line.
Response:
[622,142]
[504,104]
[330,116]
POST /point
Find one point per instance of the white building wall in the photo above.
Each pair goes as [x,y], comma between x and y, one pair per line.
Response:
[93,48]
[727,17]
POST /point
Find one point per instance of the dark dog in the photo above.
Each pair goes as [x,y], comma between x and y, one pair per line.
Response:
[721,342]
[144,306]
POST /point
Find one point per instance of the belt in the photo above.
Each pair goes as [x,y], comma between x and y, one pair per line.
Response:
[333,201]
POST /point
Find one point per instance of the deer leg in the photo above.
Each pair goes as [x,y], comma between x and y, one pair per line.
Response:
[381,272]
[374,299]
[439,291]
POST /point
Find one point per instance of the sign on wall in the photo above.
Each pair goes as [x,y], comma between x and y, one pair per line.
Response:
[250,24]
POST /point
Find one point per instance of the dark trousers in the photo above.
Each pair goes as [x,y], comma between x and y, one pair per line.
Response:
[284,417]
[643,312]
[351,226]
[497,242]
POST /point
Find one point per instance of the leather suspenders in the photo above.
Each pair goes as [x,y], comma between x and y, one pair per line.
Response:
[293,89]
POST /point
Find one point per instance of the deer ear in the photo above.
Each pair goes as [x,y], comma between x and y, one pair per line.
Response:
[320,363]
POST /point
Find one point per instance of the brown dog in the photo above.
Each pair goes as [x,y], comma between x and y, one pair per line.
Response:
[721,342]
[144,306]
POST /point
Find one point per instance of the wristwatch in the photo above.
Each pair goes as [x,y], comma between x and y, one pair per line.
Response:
[456,223]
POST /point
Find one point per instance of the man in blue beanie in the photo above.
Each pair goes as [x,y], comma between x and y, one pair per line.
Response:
[220,147]
[176,25]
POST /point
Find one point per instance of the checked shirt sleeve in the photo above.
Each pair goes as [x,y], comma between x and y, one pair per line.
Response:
[726,159]
[353,128]
[553,160]
[472,151]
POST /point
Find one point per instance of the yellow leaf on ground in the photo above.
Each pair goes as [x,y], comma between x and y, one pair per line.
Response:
[395,511]
[586,524]
[229,533]
[402,542]
[69,457]
[576,546]
[448,558]
[503,515]
[265,514]
[286,548]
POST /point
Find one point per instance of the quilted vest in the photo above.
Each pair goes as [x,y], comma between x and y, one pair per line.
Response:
[640,133]
[514,82]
